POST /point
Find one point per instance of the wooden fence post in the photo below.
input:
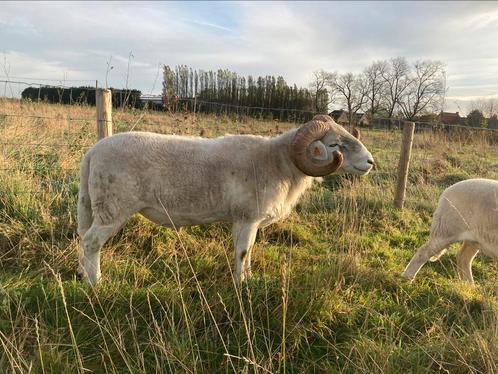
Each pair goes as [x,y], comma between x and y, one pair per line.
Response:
[404,162]
[103,100]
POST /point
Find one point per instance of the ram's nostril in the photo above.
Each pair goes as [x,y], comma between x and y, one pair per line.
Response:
[371,162]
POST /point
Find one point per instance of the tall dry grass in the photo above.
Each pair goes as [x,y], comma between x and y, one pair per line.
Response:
[325,296]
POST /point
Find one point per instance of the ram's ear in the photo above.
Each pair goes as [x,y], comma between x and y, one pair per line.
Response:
[356,133]
[318,151]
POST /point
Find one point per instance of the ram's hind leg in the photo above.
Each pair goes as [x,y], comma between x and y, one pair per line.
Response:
[464,260]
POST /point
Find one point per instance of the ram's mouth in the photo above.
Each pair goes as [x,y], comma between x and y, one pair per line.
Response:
[362,170]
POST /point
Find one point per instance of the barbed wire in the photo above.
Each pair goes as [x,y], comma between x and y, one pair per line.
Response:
[90,88]
[34,169]
[49,80]
[422,126]
[53,145]
[44,117]
[246,107]
[61,86]
[441,127]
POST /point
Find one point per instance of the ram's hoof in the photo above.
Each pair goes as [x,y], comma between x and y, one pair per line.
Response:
[406,276]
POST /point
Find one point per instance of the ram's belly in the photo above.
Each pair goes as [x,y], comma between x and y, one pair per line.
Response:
[275,214]
[193,203]
[164,217]
[488,242]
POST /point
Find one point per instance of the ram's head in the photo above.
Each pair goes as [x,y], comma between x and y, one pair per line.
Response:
[321,147]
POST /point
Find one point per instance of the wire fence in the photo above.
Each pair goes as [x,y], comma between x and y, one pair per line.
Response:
[397,124]
[198,105]
[62,93]
[39,161]
[92,87]
[242,107]
[22,115]
[11,148]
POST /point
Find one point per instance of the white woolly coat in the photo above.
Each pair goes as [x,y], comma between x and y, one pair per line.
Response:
[468,211]
[146,172]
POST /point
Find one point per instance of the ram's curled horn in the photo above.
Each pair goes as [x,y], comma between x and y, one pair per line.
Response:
[305,135]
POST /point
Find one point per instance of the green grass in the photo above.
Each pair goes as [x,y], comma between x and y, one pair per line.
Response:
[326,295]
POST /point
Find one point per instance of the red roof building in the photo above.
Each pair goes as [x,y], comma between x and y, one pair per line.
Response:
[450,118]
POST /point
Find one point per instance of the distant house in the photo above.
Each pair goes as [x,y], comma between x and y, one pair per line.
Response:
[449,118]
[342,118]
[429,118]
[361,119]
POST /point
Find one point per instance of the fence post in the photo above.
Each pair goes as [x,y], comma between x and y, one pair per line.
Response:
[103,100]
[404,162]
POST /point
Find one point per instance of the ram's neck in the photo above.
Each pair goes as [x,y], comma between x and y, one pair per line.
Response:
[296,180]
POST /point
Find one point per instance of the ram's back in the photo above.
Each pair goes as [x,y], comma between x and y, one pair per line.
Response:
[197,180]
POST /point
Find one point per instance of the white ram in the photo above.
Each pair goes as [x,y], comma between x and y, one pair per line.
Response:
[249,181]
[467,212]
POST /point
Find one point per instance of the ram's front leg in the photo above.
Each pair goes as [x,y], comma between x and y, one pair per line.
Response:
[244,235]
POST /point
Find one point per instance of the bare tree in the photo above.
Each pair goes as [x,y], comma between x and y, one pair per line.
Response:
[60,89]
[425,90]
[445,88]
[108,70]
[374,75]
[319,85]
[488,107]
[352,89]
[396,81]
[6,71]
[127,91]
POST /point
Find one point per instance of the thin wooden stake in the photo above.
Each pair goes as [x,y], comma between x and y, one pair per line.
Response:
[404,163]
[103,100]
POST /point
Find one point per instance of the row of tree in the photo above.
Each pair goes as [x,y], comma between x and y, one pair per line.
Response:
[81,95]
[476,118]
[273,94]
[393,88]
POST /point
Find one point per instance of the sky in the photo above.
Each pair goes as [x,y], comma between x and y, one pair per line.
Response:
[72,41]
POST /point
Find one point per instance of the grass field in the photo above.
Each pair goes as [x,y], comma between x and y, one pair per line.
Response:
[326,296]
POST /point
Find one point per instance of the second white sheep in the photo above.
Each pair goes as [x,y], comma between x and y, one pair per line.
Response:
[467,212]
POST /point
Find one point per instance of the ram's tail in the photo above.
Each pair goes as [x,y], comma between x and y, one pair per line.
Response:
[84,202]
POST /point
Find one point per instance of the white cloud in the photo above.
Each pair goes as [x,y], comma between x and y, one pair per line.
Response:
[21,64]
[291,39]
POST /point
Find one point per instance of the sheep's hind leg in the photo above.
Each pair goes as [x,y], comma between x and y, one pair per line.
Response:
[85,221]
[425,252]
[93,241]
[464,260]
[244,235]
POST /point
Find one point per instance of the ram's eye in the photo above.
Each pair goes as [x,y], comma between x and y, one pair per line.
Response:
[333,145]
